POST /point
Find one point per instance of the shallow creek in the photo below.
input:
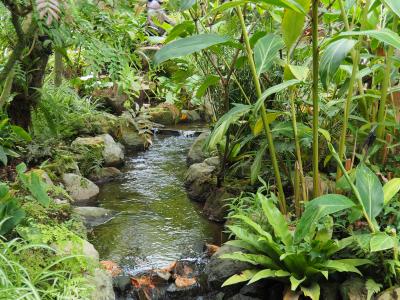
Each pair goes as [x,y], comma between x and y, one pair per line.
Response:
[156,222]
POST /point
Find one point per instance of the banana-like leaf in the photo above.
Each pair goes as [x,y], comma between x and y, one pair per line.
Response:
[332,57]
[188,46]
[256,165]
[224,122]
[293,24]
[390,189]
[394,6]
[254,259]
[266,51]
[317,209]
[385,35]
[271,117]
[276,220]
[244,276]
[20,132]
[210,80]
[273,90]
[381,241]
[267,273]
[370,189]
[295,72]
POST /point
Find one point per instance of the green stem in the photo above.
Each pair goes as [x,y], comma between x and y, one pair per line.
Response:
[7,88]
[315,53]
[272,152]
[385,85]
[58,68]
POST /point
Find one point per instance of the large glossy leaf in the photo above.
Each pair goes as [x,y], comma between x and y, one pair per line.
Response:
[385,35]
[271,117]
[370,189]
[267,273]
[244,276]
[266,51]
[276,220]
[317,209]
[332,57]
[20,132]
[294,282]
[254,259]
[293,24]
[390,189]
[381,241]
[273,90]
[186,27]
[188,46]
[210,80]
[341,266]
[394,6]
[225,121]
[292,4]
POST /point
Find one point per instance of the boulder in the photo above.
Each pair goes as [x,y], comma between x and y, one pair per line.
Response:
[100,123]
[213,161]
[216,206]
[218,270]
[83,248]
[200,181]
[103,283]
[113,153]
[79,188]
[129,135]
[94,216]
[105,174]
[190,116]
[196,152]
[164,114]
[390,294]
[353,289]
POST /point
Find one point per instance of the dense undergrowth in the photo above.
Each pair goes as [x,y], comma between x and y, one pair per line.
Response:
[302,98]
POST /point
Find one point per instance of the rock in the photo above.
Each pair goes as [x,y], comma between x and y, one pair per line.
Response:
[129,134]
[242,297]
[196,153]
[211,249]
[122,284]
[392,293]
[113,153]
[190,116]
[83,248]
[103,283]
[164,114]
[175,292]
[215,207]
[353,289]
[105,174]
[218,270]
[184,282]
[100,123]
[213,161]
[94,216]
[161,276]
[79,188]
[200,181]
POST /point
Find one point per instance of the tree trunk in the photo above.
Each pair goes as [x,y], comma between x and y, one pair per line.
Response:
[58,68]
[28,92]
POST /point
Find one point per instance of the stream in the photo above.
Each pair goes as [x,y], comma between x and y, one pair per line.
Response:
[156,222]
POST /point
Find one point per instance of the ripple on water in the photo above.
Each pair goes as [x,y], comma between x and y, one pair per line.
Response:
[157,223]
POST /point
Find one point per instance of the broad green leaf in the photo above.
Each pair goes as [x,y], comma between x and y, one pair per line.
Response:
[267,273]
[332,57]
[273,90]
[244,276]
[325,134]
[3,156]
[241,244]
[3,123]
[254,259]
[276,220]
[313,291]
[385,35]
[292,4]
[341,266]
[356,262]
[266,51]
[317,209]
[255,226]
[246,236]
[370,189]
[271,117]
[294,282]
[38,191]
[293,24]
[381,241]
[224,122]
[188,46]
[390,189]
[181,5]
[228,5]
[20,132]
[394,6]
[208,81]
[184,27]
[296,72]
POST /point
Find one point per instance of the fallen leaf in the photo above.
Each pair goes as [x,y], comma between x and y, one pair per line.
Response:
[211,249]
[171,267]
[139,282]
[111,267]
[182,282]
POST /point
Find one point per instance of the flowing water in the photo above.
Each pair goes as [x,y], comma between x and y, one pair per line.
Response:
[157,223]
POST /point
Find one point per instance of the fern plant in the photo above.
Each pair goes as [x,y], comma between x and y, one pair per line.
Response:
[302,256]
